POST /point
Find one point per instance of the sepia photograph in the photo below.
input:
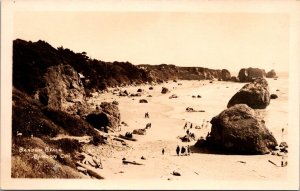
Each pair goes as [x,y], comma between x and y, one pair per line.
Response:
[150,94]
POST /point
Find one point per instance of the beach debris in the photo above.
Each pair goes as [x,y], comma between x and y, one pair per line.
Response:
[127,138]
[193,96]
[139,131]
[131,162]
[151,88]
[175,173]
[180,84]
[81,169]
[196,172]
[164,90]
[120,140]
[143,158]
[90,171]
[143,101]
[198,96]
[190,109]
[149,95]
[121,171]
[272,163]
[173,96]
[123,123]
[273,96]
[283,144]
[241,162]
[255,94]
[277,90]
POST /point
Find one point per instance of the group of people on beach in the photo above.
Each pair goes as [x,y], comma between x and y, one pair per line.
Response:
[184,150]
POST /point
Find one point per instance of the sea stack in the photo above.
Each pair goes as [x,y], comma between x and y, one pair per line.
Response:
[255,94]
[239,129]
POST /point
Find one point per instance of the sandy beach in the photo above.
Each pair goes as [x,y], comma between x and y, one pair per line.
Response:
[168,117]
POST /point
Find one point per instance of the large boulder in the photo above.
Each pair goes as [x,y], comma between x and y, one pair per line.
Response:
[164,90]
[64,90]
[108,115]
[255,94]
[250,74]
[225,75]
[239,129]
[271,74]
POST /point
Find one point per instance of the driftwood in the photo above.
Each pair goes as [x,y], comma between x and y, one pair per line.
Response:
[272,162]
[127,138]
[131,162]
[90,171]
[121,140]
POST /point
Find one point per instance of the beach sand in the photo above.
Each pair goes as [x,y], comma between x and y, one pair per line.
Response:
[168,117]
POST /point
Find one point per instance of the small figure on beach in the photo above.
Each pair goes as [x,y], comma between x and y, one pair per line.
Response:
[146,115]
[177,150]
[148,125]
[187,132]
[163,151]
[182,150]
[185,126]
[188,150]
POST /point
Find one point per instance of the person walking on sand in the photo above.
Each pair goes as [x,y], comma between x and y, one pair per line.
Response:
[182,150]
[177,150]
[163,151]
[185,126]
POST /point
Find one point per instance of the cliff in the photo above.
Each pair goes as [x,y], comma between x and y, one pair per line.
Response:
[32,60]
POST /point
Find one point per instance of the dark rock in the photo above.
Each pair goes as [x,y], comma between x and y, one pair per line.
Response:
[271,74]
[139,131]
[256,95]
[64,90]
[225,75]
[139,90]
[238,129]
[108,116]
[173,96]
[164,90]
[273,96]
[143,101]
[198,96]
[234,79]
[250,74]
[150,88]
[115,102]
[283,144]
[176,173]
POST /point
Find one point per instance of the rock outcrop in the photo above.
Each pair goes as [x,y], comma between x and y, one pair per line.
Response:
[108,116]
[271,74]
[64,90]
[240,130]
[250,74]
[225,75]
[256,95]
[164,90]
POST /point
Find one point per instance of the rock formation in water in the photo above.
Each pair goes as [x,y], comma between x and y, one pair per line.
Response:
[255,94]
[225,75]
[271,74]
[250,74]
[239,129]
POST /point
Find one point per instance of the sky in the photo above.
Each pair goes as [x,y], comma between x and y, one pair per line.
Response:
[212,40]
